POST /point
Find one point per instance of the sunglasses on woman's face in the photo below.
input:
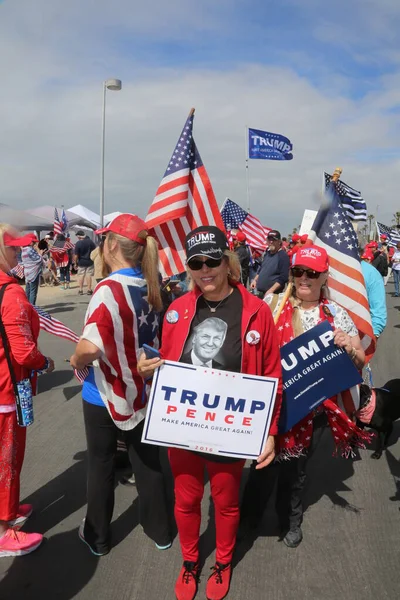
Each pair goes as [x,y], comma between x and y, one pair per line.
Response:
[211,263]
[299,272]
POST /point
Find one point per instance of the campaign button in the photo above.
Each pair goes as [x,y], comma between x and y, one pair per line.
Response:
[253,337]
[172,316]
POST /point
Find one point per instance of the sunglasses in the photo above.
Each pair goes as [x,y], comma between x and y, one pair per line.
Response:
[211,263]
[299,272]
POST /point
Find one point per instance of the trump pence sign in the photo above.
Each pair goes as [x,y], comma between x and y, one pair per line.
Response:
[209,410]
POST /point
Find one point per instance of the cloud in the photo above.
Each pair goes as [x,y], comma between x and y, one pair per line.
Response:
[59,54]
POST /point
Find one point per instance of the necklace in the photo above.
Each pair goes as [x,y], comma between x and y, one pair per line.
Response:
[214,308]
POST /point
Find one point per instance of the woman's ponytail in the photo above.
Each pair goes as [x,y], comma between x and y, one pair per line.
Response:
[151,273]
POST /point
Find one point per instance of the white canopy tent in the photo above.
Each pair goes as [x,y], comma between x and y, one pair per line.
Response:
[47,213]
[24,220]
[111,216]
[86,214]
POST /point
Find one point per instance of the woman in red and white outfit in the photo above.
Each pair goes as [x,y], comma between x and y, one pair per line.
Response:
[211,326]
[304,309]
[21,325]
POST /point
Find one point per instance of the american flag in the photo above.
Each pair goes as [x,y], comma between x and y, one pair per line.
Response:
[184,200]
[352,200]
[18,271]
[54,326]
[392,233]
[235,217]
[81,374]
[58,228]
[333,231]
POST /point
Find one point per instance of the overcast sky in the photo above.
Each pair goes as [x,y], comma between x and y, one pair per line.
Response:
[328,78]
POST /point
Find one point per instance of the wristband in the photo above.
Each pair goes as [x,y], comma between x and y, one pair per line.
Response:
[353,353]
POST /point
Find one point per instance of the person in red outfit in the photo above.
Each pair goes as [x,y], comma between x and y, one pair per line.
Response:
[21,324]
[226,313]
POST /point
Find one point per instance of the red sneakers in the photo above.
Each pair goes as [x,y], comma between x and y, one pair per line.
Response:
[187,582]
[18,543]
[24,512]
[219,581]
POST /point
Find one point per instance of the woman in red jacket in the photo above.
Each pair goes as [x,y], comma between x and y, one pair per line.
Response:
[21,324]
[218,324]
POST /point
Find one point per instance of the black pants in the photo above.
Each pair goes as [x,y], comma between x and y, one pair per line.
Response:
[290,477]
[101,436]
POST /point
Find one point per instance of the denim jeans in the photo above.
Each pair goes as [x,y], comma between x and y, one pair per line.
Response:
[64,274]
[31,289]
[396,278]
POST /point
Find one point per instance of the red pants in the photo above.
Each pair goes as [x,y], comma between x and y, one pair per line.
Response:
[12,451]
[188,471]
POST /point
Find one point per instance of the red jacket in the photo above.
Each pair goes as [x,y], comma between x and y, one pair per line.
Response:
[258,359]
[21,323]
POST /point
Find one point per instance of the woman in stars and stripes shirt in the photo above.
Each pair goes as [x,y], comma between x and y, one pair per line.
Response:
[122,315]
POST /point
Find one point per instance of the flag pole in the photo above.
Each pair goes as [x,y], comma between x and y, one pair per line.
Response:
[246,157]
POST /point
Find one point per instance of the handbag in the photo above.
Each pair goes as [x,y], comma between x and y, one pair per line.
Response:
[22,389]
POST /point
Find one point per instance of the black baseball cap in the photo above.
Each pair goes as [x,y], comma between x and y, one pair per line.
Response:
[206,240]
[273,235]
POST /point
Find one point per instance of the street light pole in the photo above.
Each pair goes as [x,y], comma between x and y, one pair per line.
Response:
[113,85]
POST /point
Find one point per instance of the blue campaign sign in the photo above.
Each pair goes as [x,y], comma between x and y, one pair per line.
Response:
[269,146]
[313,369]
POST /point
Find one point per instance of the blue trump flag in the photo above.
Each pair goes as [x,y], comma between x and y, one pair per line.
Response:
[269,146]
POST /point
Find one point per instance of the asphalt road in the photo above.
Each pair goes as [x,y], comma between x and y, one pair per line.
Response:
[351,546]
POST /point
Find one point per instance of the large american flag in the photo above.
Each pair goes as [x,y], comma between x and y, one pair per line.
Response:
[54,326]
[392,233]
[352,200]
[58,226]
[184,200]
[333,231]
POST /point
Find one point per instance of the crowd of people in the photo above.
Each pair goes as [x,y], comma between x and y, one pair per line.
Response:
[224,296]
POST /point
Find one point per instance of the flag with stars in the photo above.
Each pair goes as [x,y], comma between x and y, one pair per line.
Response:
[119,320]
[184,200]
[393,234]
[236,218]
[58,226]
[351,200]
[333,231]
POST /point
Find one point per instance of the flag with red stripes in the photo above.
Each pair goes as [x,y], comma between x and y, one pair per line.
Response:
[58,226]
[54,326]
[119,321]
[184,200]
[235,217]
[333,231]
[18,271]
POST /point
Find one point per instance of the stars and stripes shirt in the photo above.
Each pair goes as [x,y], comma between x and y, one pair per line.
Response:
[119,321]
[32,263]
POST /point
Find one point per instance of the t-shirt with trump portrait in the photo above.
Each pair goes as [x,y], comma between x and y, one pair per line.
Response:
[215,342]
[215,337]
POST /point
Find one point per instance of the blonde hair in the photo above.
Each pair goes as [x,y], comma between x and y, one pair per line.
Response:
[233,269]
[146,256]
[295,302]
[5,228]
